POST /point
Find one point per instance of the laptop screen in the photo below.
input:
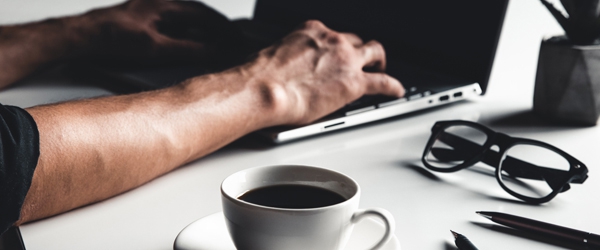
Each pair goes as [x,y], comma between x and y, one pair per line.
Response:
[457,38]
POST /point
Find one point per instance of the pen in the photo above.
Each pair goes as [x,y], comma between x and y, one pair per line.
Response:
[462,242]
[543,228]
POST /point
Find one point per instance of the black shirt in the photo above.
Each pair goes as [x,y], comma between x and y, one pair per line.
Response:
[19,153]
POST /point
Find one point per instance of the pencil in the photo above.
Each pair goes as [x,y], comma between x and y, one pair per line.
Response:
[550,230]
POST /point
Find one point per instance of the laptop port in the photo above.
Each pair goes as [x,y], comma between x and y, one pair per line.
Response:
[333,125]
[457,94]
[444,98]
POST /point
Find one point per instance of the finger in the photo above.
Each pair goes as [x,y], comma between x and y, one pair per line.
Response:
[315,29]
[353,39]
[374,55]
[381,83]
[178,51]
[178,48]
[313,24]
[323,34]
[196,17]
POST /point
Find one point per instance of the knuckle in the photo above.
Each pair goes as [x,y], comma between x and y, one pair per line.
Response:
[323,35]
[334,37]
[375,45]
[375,53]
[313,24]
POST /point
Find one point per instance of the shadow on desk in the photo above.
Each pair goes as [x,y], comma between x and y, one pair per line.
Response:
[252,141]
[424,172]
[530,236]
[528,119]
[415,166]
[449,246]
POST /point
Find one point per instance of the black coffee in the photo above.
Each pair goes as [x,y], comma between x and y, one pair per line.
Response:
[292,196]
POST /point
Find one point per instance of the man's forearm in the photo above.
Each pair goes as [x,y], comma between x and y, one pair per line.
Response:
[94,149]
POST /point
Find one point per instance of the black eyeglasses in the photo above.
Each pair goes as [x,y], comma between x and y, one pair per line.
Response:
[530,170]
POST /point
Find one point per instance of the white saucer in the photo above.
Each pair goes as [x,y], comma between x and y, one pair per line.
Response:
[210,233]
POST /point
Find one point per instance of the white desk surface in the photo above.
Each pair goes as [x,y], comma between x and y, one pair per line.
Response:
[383,158]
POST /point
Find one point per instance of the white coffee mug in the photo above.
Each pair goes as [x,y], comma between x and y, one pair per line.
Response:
[257,227]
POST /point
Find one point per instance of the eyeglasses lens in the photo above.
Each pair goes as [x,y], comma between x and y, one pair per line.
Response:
[533,171]
[455,145]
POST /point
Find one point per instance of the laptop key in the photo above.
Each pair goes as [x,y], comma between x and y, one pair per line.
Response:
[415,96]
[357,111]
[394,102]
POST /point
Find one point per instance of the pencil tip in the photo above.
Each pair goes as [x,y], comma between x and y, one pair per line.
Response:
[455,234]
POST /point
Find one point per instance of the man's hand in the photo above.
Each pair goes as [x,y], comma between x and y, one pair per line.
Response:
[159,31]
[135,32]
[315,70]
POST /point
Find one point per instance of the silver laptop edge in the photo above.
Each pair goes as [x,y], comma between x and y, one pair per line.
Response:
[381,112]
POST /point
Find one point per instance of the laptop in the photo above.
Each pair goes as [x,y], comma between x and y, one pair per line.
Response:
[442,51]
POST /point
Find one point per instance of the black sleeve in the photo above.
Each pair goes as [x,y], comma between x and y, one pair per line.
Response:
[19,152]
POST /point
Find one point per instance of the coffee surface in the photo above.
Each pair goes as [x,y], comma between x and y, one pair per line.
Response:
[292,196]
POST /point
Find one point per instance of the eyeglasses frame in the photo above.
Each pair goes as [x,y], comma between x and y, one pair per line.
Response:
[576,174]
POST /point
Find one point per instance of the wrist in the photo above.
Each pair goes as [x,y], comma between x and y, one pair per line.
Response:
[242,93]
[83,34]
[272,99]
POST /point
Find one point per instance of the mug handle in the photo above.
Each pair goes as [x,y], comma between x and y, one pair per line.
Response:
[387,218]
